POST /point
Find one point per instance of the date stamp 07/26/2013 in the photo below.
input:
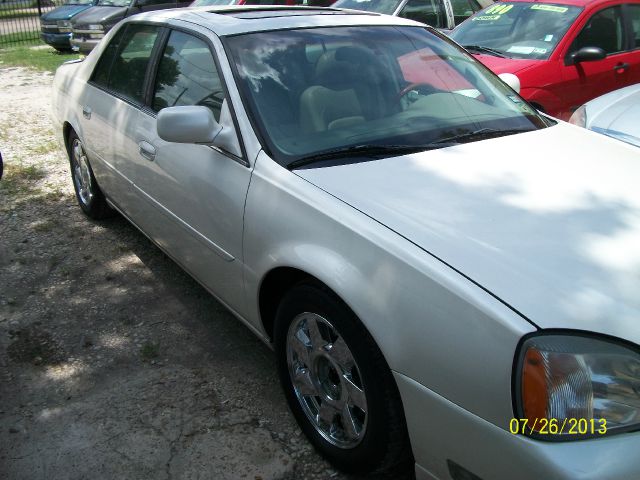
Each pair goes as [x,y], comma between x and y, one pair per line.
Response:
[555,426]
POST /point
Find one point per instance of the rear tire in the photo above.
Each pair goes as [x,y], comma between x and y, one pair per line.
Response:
[90,198]
[338,385]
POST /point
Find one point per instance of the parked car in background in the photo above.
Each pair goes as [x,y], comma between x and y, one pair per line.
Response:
[90,26]
[436,264]
[442,14]
[309,3]
[615,114]
[565,52]
[55,25]
[219,3]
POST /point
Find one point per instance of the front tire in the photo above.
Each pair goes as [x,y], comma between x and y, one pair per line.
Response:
[338,385]
[88,193]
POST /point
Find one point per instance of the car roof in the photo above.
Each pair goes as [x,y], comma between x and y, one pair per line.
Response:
[234,19]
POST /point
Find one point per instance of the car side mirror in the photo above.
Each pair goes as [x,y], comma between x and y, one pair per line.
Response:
[587,54]
[511,80]
[196,124]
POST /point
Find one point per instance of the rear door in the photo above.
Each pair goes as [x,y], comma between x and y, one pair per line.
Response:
[112,96]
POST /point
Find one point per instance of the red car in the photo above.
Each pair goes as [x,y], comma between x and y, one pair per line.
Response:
[565,52]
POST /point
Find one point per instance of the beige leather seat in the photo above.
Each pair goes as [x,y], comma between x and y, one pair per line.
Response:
[342,93]
[322,109]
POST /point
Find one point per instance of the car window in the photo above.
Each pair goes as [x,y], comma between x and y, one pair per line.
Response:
[187,75]
[430,12]
[101,73]
[519,29]
[634,15]
[463,9]
[387,7]
[603,30]
[130,64]
[318,89]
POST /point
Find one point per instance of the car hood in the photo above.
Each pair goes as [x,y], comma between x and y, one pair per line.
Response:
[500,65]
[64,12]
[616,114]
[100,14]
[547,221]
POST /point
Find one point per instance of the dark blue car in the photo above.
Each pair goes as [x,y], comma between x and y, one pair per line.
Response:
[55,25]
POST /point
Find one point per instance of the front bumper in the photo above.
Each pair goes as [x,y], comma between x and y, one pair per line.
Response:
[83,44]
[441,431]
[60,40]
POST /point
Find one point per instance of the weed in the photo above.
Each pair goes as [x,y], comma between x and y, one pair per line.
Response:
[149,351]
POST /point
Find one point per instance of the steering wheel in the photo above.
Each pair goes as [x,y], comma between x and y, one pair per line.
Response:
[417,85]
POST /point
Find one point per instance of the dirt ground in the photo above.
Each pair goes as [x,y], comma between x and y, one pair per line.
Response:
[114,364]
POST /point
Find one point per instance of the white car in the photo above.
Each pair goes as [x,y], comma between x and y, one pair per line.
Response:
[449,278]
[442,14]
[615,114]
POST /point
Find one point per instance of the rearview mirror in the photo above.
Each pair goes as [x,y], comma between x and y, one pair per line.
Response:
[192,124]
[587,54]
[511,80]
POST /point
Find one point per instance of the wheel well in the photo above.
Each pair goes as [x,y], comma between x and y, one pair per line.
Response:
[66,130]
[273,287]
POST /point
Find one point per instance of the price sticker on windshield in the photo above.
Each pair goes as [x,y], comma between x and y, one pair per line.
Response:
[550,8]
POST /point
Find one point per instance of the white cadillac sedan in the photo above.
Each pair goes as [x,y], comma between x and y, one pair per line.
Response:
[450,280]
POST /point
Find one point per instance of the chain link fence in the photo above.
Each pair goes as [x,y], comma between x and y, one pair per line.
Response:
[20,20]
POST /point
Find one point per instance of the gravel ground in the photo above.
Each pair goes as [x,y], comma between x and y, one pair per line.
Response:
[113,362]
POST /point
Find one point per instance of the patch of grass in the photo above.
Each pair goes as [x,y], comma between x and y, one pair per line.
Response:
[43,226]
[18,178]
[45,147]
[31,36]
[44,59]
[149,351]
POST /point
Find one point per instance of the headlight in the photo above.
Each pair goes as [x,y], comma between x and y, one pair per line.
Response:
[97,26]
[64,25]
[579,117]
[572,377]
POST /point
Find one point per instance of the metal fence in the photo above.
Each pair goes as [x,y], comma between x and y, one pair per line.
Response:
[20,20]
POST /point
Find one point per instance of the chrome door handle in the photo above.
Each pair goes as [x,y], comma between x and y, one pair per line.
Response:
[147,150]
[86,112]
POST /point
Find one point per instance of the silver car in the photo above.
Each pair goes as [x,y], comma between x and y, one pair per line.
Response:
[449,279]
[615,114]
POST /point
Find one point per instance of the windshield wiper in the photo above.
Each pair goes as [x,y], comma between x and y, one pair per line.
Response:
[479,135]
[481,49]
[366,150]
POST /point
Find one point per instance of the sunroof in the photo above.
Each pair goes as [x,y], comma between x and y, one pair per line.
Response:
[282,12]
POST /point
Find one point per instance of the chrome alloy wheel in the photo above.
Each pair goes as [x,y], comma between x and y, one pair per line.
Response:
[326,380]
[81,173]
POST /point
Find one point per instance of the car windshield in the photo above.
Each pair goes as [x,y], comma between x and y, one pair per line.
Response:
[208,3]
[319,90]
[517,30]
[114,3]
[79,2]
[378,6]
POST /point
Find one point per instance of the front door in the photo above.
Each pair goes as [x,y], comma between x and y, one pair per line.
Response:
[197,192]
[584,81]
